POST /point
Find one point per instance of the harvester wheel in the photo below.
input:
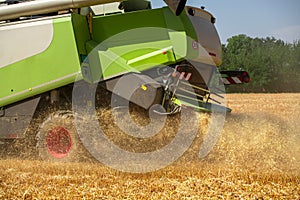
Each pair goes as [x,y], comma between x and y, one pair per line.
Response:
[57,139]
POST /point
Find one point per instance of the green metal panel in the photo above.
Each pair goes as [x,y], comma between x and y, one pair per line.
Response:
[176,33]
[107,26]
[133,42]
[142,57]
[55,67]
[81,31]
[111,62]
[90,68]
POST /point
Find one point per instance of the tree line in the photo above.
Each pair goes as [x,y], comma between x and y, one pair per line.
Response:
[274,66]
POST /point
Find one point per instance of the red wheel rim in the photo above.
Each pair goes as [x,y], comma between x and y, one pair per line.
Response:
[59,142]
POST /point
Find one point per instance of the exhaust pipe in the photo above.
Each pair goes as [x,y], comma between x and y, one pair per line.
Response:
[39,7]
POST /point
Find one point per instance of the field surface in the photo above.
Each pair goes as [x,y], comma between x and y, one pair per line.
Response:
[256,157]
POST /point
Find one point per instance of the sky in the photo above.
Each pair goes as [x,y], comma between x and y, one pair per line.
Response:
[254,18]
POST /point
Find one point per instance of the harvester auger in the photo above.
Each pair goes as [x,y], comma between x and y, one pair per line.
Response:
[46,46]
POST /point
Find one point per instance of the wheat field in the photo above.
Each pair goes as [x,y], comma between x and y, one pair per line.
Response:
[256,157]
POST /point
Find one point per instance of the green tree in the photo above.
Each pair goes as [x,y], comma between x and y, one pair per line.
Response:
[272,64]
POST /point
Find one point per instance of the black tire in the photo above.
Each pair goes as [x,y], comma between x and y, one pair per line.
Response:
[57,139]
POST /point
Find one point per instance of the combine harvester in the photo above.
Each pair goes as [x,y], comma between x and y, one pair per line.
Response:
[48,45]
